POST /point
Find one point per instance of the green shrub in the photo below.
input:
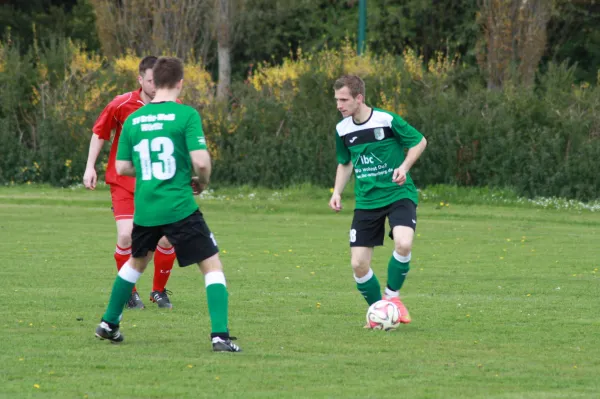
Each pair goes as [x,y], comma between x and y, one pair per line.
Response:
[278,130]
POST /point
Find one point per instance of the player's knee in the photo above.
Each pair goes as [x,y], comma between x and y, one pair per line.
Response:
[403,246]
[212,264]
[124,240]
[164,242]
[360,266]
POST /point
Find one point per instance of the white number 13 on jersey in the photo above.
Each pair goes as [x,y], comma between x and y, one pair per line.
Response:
[163,170]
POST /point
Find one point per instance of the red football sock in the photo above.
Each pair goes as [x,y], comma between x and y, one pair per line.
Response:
[122,255]
[163,263]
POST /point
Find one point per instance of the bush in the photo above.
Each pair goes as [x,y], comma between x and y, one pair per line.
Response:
[278,129]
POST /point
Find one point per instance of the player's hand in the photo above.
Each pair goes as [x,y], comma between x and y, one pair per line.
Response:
[399,176]
[90,178]
[197,187]
[335,202]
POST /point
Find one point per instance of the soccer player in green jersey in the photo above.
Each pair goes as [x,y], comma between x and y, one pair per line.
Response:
[372,142]
[161,144]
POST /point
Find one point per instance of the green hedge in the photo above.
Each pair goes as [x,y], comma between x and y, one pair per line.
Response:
[278,129]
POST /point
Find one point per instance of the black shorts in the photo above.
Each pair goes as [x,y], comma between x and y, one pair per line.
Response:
[191,238]
[368,225]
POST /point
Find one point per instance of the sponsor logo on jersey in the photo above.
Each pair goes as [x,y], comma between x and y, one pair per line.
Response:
[353,139]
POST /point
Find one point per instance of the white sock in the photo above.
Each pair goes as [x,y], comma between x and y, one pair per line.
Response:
[214,278]
[365,278]
[129,274]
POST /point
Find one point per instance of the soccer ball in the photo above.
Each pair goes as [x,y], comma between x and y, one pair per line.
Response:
[383,315]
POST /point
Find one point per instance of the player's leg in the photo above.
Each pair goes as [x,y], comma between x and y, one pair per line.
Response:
[122,203]
[164,258]
[194,243]
[218,304]
[366,280]
[403,221]
[366,232]
[123,254]
[144,241]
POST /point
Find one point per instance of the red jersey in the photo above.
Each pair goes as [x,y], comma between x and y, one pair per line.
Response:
[112,117]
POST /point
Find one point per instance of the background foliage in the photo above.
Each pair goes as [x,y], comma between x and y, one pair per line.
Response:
[276,129]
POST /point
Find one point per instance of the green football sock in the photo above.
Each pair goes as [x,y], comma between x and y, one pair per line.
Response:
[369,287]
[119,296]
[397,270]
[217,298]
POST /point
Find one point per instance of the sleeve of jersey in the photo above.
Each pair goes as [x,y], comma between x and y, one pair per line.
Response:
[408,135]
[124,148]
[106,122]
[341,151]
[194,136]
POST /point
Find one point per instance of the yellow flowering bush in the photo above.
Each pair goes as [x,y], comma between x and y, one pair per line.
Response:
[199,87]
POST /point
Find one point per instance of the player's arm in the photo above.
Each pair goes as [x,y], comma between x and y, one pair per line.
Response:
[198,150]
[102,129]
[125,168]
[412,139]
[342,174]
[90,177]
[202,168]
[413,154]
[124,162]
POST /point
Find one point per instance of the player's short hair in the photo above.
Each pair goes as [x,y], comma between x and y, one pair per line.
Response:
[354,83]
[146,63]
[168,71]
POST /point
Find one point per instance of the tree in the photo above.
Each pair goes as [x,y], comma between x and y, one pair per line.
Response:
[513,39]
[224,49]
[39,20]
[175,27]
[573,36]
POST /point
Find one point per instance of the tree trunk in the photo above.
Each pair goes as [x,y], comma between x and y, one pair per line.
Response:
[513,39]
[224,50]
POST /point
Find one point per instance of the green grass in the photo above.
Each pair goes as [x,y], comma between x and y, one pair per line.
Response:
[504,303]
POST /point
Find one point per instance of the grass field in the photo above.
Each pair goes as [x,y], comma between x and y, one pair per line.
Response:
[505,304]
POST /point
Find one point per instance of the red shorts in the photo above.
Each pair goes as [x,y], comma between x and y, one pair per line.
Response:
[122,202]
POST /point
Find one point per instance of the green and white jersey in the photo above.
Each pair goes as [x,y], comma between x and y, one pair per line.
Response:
[157,138]
[375,148]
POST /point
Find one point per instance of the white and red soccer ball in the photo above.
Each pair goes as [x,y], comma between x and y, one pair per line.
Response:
[383,315]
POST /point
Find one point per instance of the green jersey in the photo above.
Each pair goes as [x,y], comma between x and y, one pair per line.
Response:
[375,148]
[158,138]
